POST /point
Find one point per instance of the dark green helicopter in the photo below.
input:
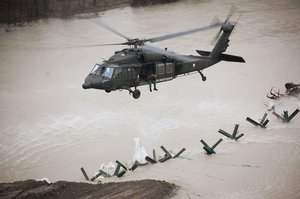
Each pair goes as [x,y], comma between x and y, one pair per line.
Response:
[141,64]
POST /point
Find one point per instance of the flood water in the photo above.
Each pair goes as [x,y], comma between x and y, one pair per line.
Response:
[50,126]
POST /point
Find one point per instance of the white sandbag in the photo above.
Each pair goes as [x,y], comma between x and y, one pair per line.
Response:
[139,152]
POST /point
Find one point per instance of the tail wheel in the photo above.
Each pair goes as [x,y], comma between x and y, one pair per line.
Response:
[202,76]
[136,93]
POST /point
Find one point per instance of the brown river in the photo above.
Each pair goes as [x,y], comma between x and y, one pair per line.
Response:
[51,127]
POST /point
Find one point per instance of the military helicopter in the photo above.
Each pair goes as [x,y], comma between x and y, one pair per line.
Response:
[141,64]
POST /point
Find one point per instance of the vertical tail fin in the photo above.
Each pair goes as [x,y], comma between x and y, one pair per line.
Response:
[223,41]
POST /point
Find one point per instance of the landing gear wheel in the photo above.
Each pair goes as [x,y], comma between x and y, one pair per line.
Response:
[136,94]
[202,76]
[107,90]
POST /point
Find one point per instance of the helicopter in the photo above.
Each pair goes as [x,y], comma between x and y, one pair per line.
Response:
[141,64]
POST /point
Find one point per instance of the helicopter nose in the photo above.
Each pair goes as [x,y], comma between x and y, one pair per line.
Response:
[86,85]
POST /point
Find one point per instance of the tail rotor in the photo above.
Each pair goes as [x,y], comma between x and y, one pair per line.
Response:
[226,26]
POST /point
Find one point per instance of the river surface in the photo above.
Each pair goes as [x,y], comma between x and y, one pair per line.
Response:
[51,127]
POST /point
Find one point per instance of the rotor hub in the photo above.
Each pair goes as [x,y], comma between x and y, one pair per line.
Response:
[227,27]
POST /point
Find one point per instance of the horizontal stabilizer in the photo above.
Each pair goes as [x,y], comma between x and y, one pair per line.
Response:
[231,58]
[203,53]
[223,57]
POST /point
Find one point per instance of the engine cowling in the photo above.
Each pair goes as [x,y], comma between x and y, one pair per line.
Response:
[152,57]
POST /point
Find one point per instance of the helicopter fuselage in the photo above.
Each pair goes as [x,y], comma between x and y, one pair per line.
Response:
[142,64]
[135,67]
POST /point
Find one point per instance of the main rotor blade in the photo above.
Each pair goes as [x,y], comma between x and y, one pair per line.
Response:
[96,45]
[179,34]
[107,27]
[215,20]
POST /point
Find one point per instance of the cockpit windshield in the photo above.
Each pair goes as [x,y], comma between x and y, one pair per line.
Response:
[103,70]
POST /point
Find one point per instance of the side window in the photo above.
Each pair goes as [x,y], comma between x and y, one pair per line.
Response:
[124,73]
[118,74]
[160,69]
[133,73]
[169,68]
[129,73]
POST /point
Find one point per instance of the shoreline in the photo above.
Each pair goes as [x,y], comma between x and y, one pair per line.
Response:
[64,189]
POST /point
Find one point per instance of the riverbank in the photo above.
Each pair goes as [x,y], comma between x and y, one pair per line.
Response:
[41,189]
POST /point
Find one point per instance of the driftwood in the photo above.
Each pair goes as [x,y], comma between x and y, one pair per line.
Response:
[291,89]
[274,94]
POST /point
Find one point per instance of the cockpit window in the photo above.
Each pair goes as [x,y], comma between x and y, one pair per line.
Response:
[103,70]
[108,72]
[95,69]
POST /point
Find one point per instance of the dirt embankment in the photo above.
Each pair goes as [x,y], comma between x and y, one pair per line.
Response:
[61,189]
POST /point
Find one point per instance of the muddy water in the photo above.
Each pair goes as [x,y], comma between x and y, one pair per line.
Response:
[51,127]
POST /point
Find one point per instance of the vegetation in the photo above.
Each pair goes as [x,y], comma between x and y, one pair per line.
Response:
[136,3]
[24,11]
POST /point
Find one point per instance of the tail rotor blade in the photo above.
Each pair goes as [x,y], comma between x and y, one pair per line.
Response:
[229,15]
[231,12]
[238,18]
[216,37]
[235,23]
